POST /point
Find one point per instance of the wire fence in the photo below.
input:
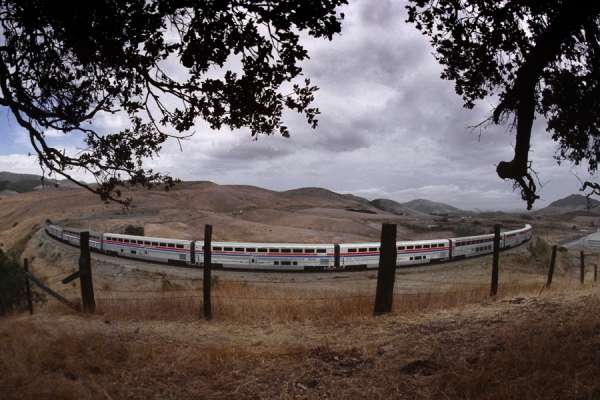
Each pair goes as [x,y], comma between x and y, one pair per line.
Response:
[136,292]
[172,290]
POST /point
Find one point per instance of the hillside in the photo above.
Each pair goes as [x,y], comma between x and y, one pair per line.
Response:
[11,183]
[576,201]
[393,207]
[294,335]
[431,207]
[236,212]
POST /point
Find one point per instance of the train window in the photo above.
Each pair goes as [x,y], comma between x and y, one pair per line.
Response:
[217,248]
[351,250]
[286,250]
[170,245]
[274,251]
[363,249]
[263,250]
[441,245]
[126,240]
[154,243]
[309,250]
[426,246]
[276,263]
[180,246]
[239,249]
[412,258]
[162,244]
[295,263]
[418,257]
[410,247]
[133,252]
[297,251]
[372,248]
[147,243]
[418,246]
[286,263]
[321,251]
[251,250]
[227,248]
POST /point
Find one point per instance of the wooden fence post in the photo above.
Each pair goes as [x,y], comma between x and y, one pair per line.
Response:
[207,270]
[386,275]
[85,268]
[582,258]
[494,288]
[552,262]
[28,287]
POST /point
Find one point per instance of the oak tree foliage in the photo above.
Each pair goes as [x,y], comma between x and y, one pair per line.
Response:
[165,63]
[537,56]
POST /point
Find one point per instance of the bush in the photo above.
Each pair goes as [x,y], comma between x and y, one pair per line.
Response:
[13,293]
[134,230]
[12,284]
[540,250]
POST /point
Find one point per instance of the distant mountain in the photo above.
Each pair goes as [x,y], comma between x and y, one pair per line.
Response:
[576,201]
[431,207]
[11,183]
[12,177]
[390,206]
[323,193]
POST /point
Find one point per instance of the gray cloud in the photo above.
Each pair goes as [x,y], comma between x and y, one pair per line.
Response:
[390,127]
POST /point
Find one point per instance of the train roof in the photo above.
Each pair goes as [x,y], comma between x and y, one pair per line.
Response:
[255,244]
[145,238]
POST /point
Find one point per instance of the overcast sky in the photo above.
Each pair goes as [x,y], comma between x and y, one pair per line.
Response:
[389,128]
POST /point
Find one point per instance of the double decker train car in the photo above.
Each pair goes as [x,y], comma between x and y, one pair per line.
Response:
[287,256]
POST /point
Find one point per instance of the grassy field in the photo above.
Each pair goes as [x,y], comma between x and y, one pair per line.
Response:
[287,336]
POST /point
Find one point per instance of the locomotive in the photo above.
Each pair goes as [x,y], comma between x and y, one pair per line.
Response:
[287,256]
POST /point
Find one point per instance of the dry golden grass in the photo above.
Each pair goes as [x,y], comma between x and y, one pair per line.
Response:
[298,335]
[273,343]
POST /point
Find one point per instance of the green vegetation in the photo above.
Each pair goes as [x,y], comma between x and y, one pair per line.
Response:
[134,230]
[12,285]
[540,250]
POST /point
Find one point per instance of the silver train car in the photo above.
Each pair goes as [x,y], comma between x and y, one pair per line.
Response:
[288,256]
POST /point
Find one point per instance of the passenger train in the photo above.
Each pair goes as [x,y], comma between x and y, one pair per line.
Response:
[287,256]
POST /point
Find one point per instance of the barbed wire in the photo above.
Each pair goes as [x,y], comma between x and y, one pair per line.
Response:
[147,277]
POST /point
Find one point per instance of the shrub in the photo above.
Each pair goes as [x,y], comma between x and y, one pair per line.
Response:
[12,284]
[134,230]
[540,250]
